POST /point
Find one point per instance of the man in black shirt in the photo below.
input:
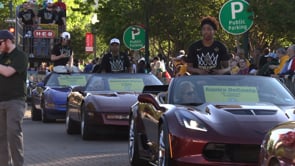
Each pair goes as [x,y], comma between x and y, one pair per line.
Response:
[13,75]
[208,56]
[47,14]
[27,15]
[62,54]
[115,61]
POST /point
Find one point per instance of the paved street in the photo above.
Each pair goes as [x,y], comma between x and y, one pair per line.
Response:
[47,144]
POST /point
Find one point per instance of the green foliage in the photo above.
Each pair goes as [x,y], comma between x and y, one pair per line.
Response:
[172,25]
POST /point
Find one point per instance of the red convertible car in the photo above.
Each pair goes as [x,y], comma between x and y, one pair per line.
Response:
[101,108]
[207,120]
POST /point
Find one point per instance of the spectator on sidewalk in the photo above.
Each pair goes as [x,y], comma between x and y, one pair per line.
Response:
[283,58]
[13,75]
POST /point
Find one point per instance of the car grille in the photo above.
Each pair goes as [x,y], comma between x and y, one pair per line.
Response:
[231,153]
[251,111]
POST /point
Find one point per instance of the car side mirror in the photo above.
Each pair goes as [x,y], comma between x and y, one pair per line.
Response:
[149,98]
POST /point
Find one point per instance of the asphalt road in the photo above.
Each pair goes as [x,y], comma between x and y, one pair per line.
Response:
[47,144]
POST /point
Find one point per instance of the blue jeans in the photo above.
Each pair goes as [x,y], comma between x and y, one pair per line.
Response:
[11,134]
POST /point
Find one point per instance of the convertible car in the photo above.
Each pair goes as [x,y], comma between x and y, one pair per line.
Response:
[101,108]
[278,147]
[207,120]
[50,95]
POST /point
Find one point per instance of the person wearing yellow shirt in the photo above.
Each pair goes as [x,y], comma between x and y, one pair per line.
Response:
[284,57]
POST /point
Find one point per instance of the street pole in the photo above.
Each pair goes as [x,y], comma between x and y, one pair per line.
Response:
[10,8]
[147,52]
[246,41]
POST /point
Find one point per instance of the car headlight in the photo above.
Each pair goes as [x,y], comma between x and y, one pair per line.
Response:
[189,121]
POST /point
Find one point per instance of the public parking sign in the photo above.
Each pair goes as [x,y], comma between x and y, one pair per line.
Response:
[235,17]
[134,37]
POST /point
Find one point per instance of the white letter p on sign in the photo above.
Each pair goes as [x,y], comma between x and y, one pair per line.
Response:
[236,7]
[135,32]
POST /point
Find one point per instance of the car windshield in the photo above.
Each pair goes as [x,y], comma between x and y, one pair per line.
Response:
[121,82]
[253,89]
[65,80]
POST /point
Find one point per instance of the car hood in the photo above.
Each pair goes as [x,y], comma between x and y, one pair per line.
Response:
[112,102]
[242,122]
[58,95]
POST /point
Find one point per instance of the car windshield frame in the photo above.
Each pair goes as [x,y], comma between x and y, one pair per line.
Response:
[121,82]
[67,80]
[231,89]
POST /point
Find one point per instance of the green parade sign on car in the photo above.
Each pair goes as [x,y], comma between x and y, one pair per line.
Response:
[235,17]
[134,37]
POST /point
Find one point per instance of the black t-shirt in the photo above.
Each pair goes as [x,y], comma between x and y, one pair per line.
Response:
[58,50]
[115,64]
[14,87]
[59,15]
[27,16]
[207,58]
[47,17]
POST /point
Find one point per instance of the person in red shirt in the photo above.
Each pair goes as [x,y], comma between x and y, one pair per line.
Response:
[61,4]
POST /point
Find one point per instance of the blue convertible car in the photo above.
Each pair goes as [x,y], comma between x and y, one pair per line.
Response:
[50,95]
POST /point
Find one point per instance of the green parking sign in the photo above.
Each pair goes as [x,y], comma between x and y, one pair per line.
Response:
[134,37]
[235,18]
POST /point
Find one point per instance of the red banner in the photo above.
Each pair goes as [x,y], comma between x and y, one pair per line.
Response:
[89,42]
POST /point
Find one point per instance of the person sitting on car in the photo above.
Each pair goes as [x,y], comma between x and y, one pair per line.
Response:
[187,93]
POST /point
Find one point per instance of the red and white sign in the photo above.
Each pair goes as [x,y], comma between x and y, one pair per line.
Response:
[89,42]
[44,34]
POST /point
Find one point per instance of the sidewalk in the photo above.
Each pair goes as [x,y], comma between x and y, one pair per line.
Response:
[28,113]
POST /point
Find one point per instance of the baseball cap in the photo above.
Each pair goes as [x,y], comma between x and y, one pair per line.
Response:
[272,55]
[115,40]
[65,35]
[5,34]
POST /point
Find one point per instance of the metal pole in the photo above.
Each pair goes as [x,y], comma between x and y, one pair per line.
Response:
[10,8]
[94,45]
[147,52]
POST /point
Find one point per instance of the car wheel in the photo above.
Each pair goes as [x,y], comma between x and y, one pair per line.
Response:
[72,127]
[133,146]
[45,119]
[164,148]
[35,114]
[85,128]
[274,162]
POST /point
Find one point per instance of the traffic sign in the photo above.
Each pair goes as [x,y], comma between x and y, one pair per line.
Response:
[134,37]
[235,18]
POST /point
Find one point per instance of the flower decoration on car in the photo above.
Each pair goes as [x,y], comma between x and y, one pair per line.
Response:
[288,139]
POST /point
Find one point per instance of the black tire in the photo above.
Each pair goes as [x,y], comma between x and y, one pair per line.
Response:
[86,133]
[133,152]
[45,119]
[164,158]
[72,127]
[274,162]
[35,114]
